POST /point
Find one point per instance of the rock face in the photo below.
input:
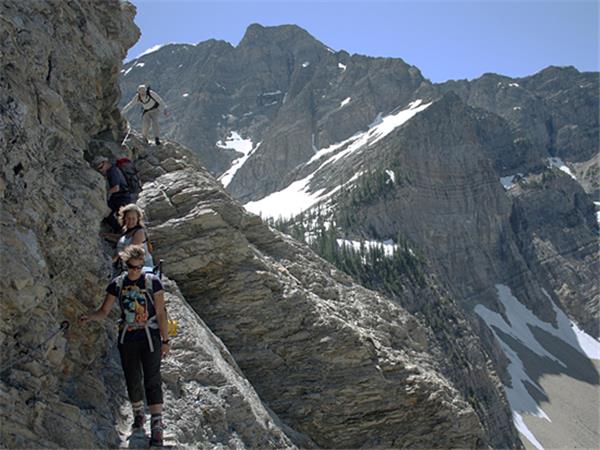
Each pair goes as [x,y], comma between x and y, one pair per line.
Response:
[208,400]
[551,113]
[67,391]
[58,88]
[554,226]
[345,366]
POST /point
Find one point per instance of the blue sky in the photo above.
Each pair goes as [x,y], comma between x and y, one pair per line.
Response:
[445,39]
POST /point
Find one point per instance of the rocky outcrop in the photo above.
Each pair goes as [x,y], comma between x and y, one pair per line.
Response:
[58,95]
[58,87]
[556,231]
[335,361]
[208,400]
[551,113]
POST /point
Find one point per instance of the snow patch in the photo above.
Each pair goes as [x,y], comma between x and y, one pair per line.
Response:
[342,66]
[128,70]
[305,64]
[236,142]
[296,198]
[272,93]
[288,202]
[345,102]
[509,181]
[514,84]
[388,246]
[393,121]
[520,321]
[185,95]
[517,108]
[391,174]
[559,163]
[243,146]
[140,64]
[150,50]
[524,430]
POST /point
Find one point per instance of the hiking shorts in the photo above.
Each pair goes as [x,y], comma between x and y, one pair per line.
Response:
[142,369]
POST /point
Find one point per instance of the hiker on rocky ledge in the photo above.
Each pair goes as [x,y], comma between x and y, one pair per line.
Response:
[152,104]
[118,190]
[143,337]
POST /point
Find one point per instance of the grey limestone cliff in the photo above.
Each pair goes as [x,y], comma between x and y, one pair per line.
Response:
[345,366]
[58,95]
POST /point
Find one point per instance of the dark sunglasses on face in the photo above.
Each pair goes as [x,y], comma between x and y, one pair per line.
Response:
[134,267]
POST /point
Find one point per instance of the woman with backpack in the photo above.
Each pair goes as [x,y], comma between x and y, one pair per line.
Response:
[143,337]
[131,219]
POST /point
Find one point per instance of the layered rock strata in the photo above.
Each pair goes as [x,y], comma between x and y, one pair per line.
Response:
[335,361]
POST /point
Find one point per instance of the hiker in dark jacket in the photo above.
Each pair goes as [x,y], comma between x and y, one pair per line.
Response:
[143,337]
[118,191]
[152,104]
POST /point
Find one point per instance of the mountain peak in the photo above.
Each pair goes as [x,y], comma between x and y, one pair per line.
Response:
[257,34]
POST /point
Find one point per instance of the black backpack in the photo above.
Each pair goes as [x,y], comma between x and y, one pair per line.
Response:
[150,97]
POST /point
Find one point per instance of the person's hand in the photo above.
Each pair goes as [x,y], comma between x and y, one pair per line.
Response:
[164,350]
[84,319]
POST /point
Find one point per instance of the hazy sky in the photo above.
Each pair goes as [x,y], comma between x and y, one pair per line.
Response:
[445,39]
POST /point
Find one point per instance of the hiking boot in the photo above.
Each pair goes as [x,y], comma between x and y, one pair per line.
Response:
[138,422]
[156,433]
[157,141]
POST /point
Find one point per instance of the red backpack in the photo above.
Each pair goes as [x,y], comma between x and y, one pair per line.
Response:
[127,168]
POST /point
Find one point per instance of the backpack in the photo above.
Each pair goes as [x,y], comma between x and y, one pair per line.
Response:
[148,90]
[127,168]
[150,322]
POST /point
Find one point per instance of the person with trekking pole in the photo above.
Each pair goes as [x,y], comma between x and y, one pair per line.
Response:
[152,104]
[143,337]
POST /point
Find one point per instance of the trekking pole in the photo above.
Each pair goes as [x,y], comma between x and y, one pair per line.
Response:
[29,353]
[123,145]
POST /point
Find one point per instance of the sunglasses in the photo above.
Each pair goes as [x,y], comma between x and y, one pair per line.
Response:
[134,267]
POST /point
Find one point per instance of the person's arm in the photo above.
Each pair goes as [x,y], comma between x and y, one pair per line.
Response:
[102,312]
[161,102]
[161,318]
[128,106]
[115,179]
[139,237]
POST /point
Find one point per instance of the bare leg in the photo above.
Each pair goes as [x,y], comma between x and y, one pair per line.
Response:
[145,125]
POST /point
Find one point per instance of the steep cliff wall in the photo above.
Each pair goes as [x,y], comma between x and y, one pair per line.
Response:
[343,365]
[58,96]
[58,88]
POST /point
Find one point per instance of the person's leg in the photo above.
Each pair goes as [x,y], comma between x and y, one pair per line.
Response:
[131,362]
[145,125]
[155,126]
[153,386]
